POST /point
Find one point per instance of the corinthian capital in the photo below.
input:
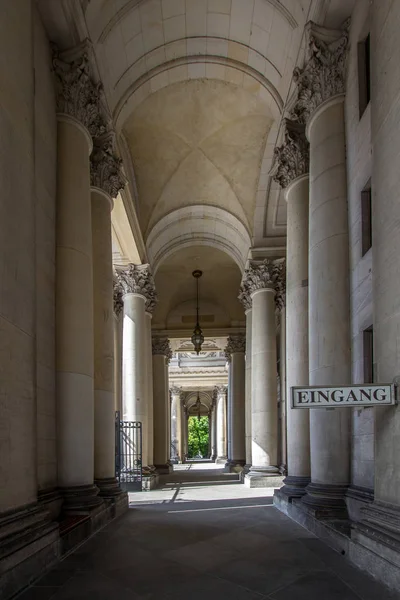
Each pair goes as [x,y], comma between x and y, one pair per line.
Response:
[137,279]
[324,73]
[236,343]
[269,274]
[244,295]
[161,345]
[118,302]
[105,166]
[220,390]
[292,158]
[77,94]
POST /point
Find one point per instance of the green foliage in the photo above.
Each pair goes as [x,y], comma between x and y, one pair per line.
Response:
[198,436]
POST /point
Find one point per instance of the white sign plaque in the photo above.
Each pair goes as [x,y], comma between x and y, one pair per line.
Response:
[343,396]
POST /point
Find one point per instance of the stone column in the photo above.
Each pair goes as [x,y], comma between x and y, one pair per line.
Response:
[176,443]
[106,181]
[235,349]
[79,119]
[118,335]
[379,529]
[282,391]
[228,412]
[292,161]
[138,287]
[150,305]
[161,351]
[320,106]
[221,424]
[183,428]
[264,282]
[245,299]
[214,428]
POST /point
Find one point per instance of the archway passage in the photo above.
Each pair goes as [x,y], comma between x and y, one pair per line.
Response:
[198,437]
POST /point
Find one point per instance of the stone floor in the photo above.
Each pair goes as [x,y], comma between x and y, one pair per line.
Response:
[204,536]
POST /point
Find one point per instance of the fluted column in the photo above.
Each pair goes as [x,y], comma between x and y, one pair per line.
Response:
[138,286]
[320,105]
[235,349]
[161,352]
[292,161]
[245,299]
[265,283]
[106,181]
[118,334]
[79,119]
[176,441]
[221,424]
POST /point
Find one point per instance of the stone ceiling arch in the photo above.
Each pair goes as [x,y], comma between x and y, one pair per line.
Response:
[198,225]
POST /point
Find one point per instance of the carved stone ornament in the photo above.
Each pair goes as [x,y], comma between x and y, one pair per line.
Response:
[220,390]
[244,295]
[324,73]
[160,345]
[137,279]
[77,94]
[176,391]
[118,302]
[236,343]
[292,159]
[269,274]
[105,166]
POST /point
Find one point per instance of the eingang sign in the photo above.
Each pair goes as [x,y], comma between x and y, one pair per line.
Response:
[343,396]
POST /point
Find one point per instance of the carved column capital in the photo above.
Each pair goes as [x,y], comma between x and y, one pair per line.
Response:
[236,343]
[324,73]
[269,274]
[220,390]
[105,166]
[118,301]
[292,158]
[77,93]
[176,390]
[138,279]
[244,296]
[161,346]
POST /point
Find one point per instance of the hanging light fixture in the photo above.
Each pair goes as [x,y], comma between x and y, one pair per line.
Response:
[197,337]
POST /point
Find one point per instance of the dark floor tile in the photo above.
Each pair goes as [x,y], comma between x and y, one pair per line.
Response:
[56,578]
[259,578]
[38,593]
[211,588]
[94,586]
[318,586]
[203,556]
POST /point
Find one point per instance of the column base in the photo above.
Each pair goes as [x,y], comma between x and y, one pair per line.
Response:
[294,486]
[234,466]
[149,482]
[80,499]
[220,460]
[109,487]
[28,541]
[325,501]
[259,477]
[164,469]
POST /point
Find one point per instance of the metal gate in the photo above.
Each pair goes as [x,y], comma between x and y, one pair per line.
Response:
[128,454]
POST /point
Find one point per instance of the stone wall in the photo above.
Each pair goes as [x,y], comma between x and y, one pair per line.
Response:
[359,159]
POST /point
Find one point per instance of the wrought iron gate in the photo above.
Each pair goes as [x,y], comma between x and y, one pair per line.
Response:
[128,453]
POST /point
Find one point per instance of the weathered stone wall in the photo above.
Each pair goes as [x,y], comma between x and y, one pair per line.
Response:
[358,137]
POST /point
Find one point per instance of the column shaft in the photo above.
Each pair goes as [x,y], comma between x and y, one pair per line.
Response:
[238,442]
[249,314]
[149,392]
[282,363]
[176,451]
[298,421]
[118,336]
[160,414]
[214,432]
[264,384]
[74,316]
[134,366]
[103,308]
[329,308]
[221,427]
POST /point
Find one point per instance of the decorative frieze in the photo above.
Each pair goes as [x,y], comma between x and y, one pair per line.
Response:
[105,166]
[269,274]
[324,73]
[137,279]
[236,343]
[118,301]
[161,345]
[77,94]
[292,159]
